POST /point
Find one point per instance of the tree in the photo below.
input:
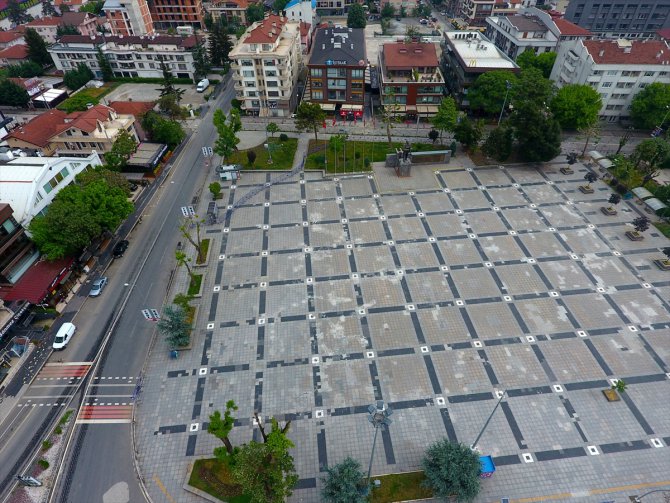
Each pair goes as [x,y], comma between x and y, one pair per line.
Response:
[221,427]
[251,157]
[215,188]
[499,143]
[123,147]
[309,117]
[174,325]
[614,199]
[168,87]
[168,105]
[37,48]
[272,128]
[265,470]
[543,62]
[452,470]
[15,13]
[183,260]
[446,116]
[113,179]
[74,79]
[93,7]
[590,177]
[12,94]
[106,70]
[344,483]
[48,9]
[650,105]
[411,33]
[531,88]
[537,133]
[648,155]
[279,5]
[201,64]
[227,141]
[219,44]
[209,21]
[185,229]
[589,132]
[25,69]
[623,141]
[387,10]
[66,29]
[641,224]
[356,16]
[255,13]
[487,93]
[162,130]
[433,135]
[576,106]
[469,133]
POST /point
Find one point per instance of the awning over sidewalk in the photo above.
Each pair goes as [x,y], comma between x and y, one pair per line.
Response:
[352,107]
[595,155]
[642,193]
[655,204]
[327,107]
[38,281]
[426,109]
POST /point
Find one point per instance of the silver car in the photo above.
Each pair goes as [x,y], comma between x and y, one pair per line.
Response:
[98,286]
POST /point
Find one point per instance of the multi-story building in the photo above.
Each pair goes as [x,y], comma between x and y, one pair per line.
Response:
[128,56]
[266,62]
[11,37]
[333,7]
[336,78]
[475,12]
[229,9]
[301,10]
[128,17]
[13,55]
[617,69]
[173,13]
[466,56]
[531,29]
[620,18]
[76,134]
[17,251]
[407,5]
[47,27]
[411,82]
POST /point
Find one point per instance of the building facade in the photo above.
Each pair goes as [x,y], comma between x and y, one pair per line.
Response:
[475,12]
[173,13]
[128,56]
[411,81]
[336,69]
[620,18]
[301,10]
[266,62]
[617,69]
[128,17]
[47,27]
[229,9]
[17,251]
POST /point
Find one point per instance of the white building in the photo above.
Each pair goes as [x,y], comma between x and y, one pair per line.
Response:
[617,69]
[301,10]
[29,184]
[265,63]
[129,56]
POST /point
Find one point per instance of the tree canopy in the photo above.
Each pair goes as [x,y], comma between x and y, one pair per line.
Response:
[123,147]
[175,326]
[201,62]
[12,94]
[543,62]
[113,179]
[25,69]
[650,105]
[309,117]
[227,141]
[499,143]
[452,470]
[532,87]
[219,44]
[221,427]
[356,16]
[162,130]
[344,482]
[487,94]
[387,10]
[37,48]
[66,29]
[446,116]
[469,133]
[105,67]
[576,106]
[537,132]
[649,154]
[255,12]
[74,79]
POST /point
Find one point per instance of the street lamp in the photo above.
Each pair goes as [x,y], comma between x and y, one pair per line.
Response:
[378,415]
[638,499]
[508,85]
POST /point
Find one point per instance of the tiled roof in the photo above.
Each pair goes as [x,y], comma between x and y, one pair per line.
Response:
[304,28]
[18,51]
[134,108]
[267,31]
[664,33]
[44,21]
[73,18]
[571,29]
[624,52]
[401,55]
[9,36]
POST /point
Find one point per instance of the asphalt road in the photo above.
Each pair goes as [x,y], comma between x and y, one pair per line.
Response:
[98,465]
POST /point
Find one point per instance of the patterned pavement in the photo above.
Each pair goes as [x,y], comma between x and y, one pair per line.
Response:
[434,293]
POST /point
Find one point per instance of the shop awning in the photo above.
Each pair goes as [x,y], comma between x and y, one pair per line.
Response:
[642,193]
[351,107]
[328,107]
[655,204]
[38,281]
[595,155]
[427,109]
[605,163]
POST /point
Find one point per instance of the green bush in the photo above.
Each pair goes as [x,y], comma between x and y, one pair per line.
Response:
[46,445]
[320,159]
[58,430]
[357,155]
[366,162]
[43,463]
[283,137]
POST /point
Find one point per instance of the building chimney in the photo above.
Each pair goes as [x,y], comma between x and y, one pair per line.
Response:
[601,53]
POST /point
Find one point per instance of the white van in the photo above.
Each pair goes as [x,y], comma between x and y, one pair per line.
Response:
[202,85]
[65,333]
[228,172]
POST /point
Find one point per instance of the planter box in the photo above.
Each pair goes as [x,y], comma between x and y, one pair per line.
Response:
[634,236]
[611,395]
[585,189]
[662,264]
[567,171]
[608,211]
[206,261]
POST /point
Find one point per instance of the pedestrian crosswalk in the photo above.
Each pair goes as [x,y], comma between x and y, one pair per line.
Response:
[69,371]
[105,413]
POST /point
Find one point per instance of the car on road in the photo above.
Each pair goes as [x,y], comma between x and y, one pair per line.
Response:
[120,248]
[63,336]
[98,286]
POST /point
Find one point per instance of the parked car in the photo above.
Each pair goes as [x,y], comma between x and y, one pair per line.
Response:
[63,336]
[433,19]
[98,286]
[423,21]
[228,167]
[120,248]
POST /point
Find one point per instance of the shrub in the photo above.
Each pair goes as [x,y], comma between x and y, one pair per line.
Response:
[283,137]
[43,463]
[251,157]
[236,104]
[357,155]
[46,445]
[366,162]
[320,159]
[58,430]
[452,470]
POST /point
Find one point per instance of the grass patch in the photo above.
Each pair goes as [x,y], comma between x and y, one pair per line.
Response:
[194,285]
[65,417]
[78,102]
[213,477]
[204,248]
[664,227]
[400,487]
[58,430]
[283,153]
[356,154]
[46,445]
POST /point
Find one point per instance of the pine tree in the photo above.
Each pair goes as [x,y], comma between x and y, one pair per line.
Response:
[37,48]
[105,68]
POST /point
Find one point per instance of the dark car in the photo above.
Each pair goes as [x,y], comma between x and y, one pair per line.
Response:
[120,249]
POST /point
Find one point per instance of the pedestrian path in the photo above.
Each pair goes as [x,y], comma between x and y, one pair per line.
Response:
[68,370]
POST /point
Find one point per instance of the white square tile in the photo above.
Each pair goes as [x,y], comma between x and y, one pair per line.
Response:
[431,239]
[369,354]
[632,328]
[410,307]
[194,427]
[315,360]
[425,349]
[440,400]
[217,288]
[222,256]
[460,303]
[444,267]
[210,326]
[527,457]
[477,344]
[488,264]
[530,338]
[318,414]
[261,321]
[558,388]
[656,442]
[593,450]
[553,294]
[361,312]
[311,316]
[202,371]
[581,333]
[507,298]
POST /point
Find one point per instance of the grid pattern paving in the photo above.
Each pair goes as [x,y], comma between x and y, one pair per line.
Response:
[328,294]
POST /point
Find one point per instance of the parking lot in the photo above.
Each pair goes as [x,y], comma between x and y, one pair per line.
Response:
[435,293]
[151,92]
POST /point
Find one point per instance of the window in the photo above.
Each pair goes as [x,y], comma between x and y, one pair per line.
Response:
[337,72]
[53,183]
[356,74]
[270,73]
[612,72]
[249,83]
[252,94]
[316,72]
[357,85]
[317,95]
[607,84]
[649,74]
[273,94]
[317,83]
[247,62]
[247,73]
[337,83]
[267,47]
[271,83]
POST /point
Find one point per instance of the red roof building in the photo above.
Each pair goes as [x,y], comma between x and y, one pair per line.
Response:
[569,29]
[38,282]
[11,37]
[267,31]
[13,55]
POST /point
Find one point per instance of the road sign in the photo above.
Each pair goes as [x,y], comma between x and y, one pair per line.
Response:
[204,151]
[184,211]
[155,314]
[191,211]
[210,152]
[147,314]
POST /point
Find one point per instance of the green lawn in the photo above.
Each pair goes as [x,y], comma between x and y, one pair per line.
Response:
[663,227]
[78,102]
[400,487]
[204,248]
[282,153]
[353,159]
[194,285]
[214,478]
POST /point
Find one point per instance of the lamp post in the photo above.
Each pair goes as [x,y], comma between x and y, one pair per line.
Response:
[508,85]
[638,499]
[378,415]
[474,444]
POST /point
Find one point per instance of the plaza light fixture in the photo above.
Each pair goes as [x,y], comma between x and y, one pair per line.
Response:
[638,499]
[378,415]
[508,85]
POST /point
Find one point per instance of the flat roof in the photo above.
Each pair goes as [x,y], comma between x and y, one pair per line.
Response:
[477,51]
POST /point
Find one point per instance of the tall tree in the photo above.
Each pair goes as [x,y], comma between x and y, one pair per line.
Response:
[74,79]
[48,8]
[452,470]
[272,128]
[175,326]
[279,5]
[221,427]
[588,133]
[255,13]
[37,48]
[123,147]
[106,70]
[25,69]
[469,133]
[446,116]
[543,62]
[227,141]
[387,10]
[532,87]
[488,92]
[356,16]
[163,130]
[344,483]
[537,133]
[219,44]
[650,106]
[649,155]
[575,106]
[167,85]
[113,179]
[310,117]
[499,142]
[12,94]
[15,13]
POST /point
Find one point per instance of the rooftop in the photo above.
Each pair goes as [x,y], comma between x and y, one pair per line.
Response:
[9,36]
[134,108]
[239,4]
[477,52]
[628,52]
[18,51]
[185,42]
[527,23]
[569,29]
[406,56]
[339,46]
[266,31]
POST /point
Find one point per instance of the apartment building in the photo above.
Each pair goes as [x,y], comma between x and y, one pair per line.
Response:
[411,81]
[475,12]
[11,37]
[266,62]
[617,69]
[128,17]
[17,251]
[47,27]
[620,18]
[173,13]
[333,7]
[408,5]
[129,56]
[55,133]
[336,70]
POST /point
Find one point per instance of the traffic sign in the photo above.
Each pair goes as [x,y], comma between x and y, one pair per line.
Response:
[155,314]
[184,211]
[210,152]
[191,211]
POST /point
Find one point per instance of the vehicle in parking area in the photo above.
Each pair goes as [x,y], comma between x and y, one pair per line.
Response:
[120,248]
[202,85]
[227,167]
[63,336]
[98,286]
[423,21]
